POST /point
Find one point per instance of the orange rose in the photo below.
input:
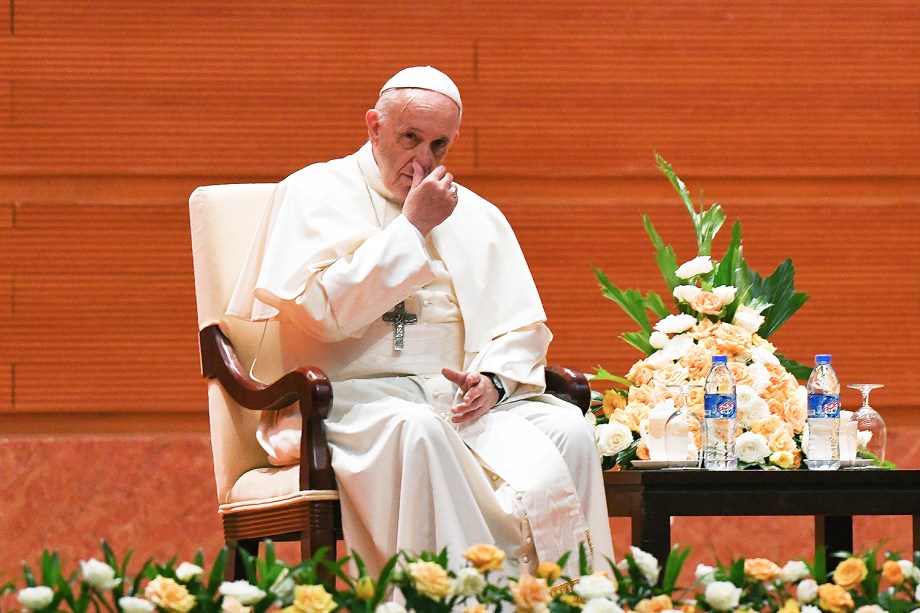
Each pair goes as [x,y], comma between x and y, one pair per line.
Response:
[613,400]
[892,572]
[485,557]
[850,573]
[834,598]
[311,599]
[654,605]
[167,594]
[761,569]
[430,579]
[732,340]
[530,594]
[707,303]
[640,373]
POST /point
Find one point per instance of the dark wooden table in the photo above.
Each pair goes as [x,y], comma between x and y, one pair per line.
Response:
[652,497]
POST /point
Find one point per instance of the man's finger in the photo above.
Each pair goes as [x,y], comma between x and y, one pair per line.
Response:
[418,173]
[455,377]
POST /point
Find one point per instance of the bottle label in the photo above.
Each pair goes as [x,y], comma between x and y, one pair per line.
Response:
[719,406]
[823,405]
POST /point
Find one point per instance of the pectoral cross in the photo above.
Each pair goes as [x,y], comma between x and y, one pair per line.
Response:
[399,317]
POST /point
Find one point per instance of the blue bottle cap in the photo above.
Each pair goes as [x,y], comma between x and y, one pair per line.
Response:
[720,359]
[822,358]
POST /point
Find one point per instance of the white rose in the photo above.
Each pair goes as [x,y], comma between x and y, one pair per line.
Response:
[722,595]
[390,607]
[862,439]
[675,324]
[595,586]
[647,563]
[704,574]
[469,582]
[750,407]
[98,574]
[762,355]
[699,265]
[810,608]
[751,448]
[601,605]
[657,339]
[242,590]
[760,376]
[188,571]
[726,293]
[917,594]
[678,346]
[807,590]
[591,418]
[686,293]
[35,598]
[659,359]
[748,318]
[130,604]
[612,438]
[794,570]
[909,570]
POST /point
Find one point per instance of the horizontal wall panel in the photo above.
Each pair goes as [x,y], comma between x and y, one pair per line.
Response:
[7,384]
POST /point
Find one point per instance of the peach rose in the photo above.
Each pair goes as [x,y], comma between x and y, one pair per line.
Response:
[167,594]
[702,329]
[475,608]
[642,451]
[697,361]
[732,340]
[430,579]
[781,441]
[850,573]
[530,594]
[834,598]
[613,400]
[740,373]
[311,599]
[696,401]
[892,572]
[706,303]
[783,459]
[795,413]
[768,426]
[761,569]
[485,557]
[655,604]
[672,374]
[640,373]
[549,571]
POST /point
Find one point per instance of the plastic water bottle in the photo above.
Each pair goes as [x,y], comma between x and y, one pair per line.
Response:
[720,401]
[823,451]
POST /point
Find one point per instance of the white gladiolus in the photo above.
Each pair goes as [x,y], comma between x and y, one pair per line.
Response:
[807,590]
[390,607]
[612,438]
[242,590]
[601,605]
[751,448]
[678,346]
[750,406]
[98,574]
[130,604]
[704,574]
[469,582]
[794,570]
[35,598]
[188,571]
[686,293]
[675,324]
[647,564]
[658,339]
[722,595]
[726,293]
[595,586]
[699,265]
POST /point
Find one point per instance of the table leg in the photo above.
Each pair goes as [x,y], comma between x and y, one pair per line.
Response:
[653,535]
[835,532]
[916,530]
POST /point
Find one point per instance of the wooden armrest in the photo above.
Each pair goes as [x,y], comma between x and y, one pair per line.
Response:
[309,387]
[569,385]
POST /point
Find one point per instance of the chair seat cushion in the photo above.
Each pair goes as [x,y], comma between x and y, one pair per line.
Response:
[270,486]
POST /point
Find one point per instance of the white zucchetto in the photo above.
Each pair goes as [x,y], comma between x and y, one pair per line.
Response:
[424,77]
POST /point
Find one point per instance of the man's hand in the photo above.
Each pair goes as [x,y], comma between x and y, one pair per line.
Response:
[479,394]
[430,200]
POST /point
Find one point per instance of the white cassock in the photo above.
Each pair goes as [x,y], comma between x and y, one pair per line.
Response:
[525,476]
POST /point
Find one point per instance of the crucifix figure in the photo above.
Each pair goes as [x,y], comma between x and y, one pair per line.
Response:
[399,317]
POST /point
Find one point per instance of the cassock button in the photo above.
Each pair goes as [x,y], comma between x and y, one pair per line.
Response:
[529,540]
[525,559]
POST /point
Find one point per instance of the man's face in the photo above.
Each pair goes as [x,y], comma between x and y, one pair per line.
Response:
[417,126]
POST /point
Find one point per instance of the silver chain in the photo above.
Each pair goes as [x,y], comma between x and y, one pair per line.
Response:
[369,197]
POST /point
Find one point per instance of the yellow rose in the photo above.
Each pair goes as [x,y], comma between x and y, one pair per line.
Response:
[850,573]
[485,557]
[640,373]
[790,606]
[654,605]
[613,400]
[531,594]
[783,459]
[364,588]
[167,594]
[732,340]
[834,598]
[761,569]
[706,302]
[549,571]
[430,579]
[672,374]
[892,572]
[572,600]
[311,599]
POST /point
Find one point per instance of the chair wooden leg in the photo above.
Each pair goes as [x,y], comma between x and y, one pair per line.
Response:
[235,569]
[320,534]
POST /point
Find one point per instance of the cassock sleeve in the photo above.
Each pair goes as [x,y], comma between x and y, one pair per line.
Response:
[519,358]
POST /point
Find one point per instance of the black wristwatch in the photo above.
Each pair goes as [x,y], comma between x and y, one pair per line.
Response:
[497,382]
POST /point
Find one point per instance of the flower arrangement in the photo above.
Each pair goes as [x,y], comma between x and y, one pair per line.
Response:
[426,582]
[720,307]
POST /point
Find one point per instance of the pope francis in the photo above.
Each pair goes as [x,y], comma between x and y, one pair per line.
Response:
[411,292]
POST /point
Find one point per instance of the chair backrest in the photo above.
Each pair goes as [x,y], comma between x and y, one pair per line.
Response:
[223,220]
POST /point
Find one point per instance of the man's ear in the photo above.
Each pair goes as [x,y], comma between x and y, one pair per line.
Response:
[372,118]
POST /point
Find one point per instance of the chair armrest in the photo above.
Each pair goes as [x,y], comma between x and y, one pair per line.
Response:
[569,385]
[309,387]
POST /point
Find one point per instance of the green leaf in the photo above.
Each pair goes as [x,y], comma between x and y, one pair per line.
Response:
[655,304]
[729,271]
[639,340]
[799,371]
[603,375]
[664,256]
[779,290]
[705,223]
[672,568]
[630,301]
[217,572]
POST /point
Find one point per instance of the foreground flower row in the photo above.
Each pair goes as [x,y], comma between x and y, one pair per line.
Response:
[867,583]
